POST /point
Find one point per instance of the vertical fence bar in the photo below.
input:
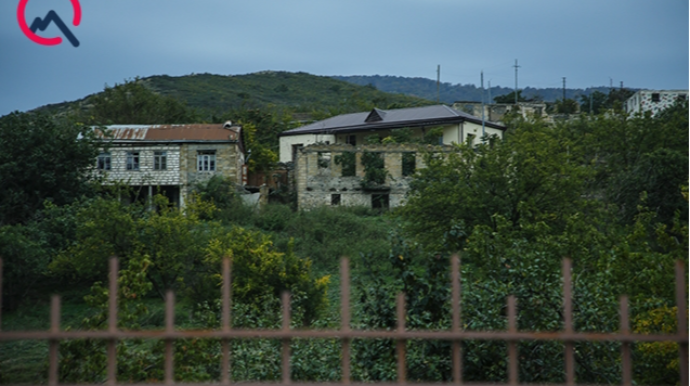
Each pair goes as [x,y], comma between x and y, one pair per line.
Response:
[682,321]
[400,345]
[625,346]
[0,294]
[285,354]
[455,306]
[512,345]
[169,328]
[112,322]
[226,293]
[568,319]
[345,316]
[53,343]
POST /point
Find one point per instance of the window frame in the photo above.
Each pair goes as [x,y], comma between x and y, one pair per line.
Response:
[133,161]
[104,161]
[206,161]
[160,160]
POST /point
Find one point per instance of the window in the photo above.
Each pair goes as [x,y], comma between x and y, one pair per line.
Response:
[470,139]
[295,151]
[103,161]
[132,160]
[206,160]
[655,97]
[380,201]
[335,199]
[160,160]
[351,140]
[409,163]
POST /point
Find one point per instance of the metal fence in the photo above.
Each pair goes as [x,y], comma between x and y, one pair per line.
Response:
[345,334]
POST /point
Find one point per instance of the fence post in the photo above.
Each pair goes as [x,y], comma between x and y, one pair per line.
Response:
[625,346]
[512,344]
[285,354]
[226,320]
[457,321]
[112,321]
[402,366]
[345,316]
[568,319]
[169,328]
[682,321]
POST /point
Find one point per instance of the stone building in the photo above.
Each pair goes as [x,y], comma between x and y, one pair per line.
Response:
[170,158]
[334,174]
[653,100]
[455,127]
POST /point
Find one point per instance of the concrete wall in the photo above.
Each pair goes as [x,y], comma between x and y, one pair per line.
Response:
[643,100]
[459,133]
[318,177]
[287,142]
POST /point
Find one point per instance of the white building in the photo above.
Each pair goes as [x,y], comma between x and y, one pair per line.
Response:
[653,100]
[457,127]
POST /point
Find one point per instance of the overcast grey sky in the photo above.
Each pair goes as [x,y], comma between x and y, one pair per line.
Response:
[590,42]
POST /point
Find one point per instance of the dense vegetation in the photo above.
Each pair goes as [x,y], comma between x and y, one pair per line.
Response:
[608,191]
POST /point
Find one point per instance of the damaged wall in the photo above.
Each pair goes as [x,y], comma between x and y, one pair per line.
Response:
[322,174]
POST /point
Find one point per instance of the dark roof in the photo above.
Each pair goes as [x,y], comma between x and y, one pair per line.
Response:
[389,119]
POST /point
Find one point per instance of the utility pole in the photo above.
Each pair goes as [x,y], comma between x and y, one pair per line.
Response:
[490,93]
[516,82]
[591,95]
[564,89]
[438,84]
[483,130]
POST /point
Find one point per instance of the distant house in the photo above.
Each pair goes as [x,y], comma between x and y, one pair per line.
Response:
[457,127]
[495,112]
[653,100]
[170,158]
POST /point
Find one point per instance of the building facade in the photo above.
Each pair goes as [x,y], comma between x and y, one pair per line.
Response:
[170,159]
[335,174]
[654,101]
[353,129]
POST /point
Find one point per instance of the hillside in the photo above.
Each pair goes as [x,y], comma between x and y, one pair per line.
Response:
[449,93]
[300,92]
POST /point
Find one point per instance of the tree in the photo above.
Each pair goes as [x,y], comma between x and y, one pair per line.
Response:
[42,159]
[134,103]
[567,106]
[594,103]
[510,98]
[528,177]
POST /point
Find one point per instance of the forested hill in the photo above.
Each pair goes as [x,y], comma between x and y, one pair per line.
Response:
[300,92]
[449,93]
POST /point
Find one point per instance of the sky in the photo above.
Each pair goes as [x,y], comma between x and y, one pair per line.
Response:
[643,43]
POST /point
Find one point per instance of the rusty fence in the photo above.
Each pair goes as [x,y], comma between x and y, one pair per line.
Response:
[345,334]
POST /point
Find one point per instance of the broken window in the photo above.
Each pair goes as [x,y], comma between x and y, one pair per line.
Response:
[380,201]
[103,161]
[324,160]
[160,160]
[348,163]
[206,160]
[409,164]
[132,160]
[335,199]
[295,151]
[351,140]
[656,97]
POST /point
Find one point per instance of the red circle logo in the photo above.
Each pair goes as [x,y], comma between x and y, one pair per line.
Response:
[42,24]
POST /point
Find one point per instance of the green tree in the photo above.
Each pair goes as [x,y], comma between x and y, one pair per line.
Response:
[567,106]
[594,103]
[133,102]
[42,159]
[510,98]
[529,177]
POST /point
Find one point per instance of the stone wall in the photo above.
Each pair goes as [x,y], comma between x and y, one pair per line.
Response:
[181,165]
[319,180]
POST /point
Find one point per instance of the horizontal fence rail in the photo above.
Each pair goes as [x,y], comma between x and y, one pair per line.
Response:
[345,334]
